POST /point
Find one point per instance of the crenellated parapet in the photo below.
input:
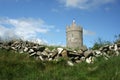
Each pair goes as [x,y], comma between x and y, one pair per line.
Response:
[75,28]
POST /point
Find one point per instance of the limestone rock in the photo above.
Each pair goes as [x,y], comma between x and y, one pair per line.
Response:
[90,60]
[47,50]
[78,61]
[88,53]
[60,50]
[64,53]
[97,53]
[30,51]
[32,54]
[38,53]
[80,51]
[70,63]
[105,48]
[54,54]
[25,49]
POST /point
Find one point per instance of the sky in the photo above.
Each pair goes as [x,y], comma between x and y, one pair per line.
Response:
[45,21]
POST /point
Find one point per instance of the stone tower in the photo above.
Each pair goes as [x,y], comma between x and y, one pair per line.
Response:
[74,36]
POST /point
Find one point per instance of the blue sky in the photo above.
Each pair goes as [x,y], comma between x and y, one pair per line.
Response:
[46,20]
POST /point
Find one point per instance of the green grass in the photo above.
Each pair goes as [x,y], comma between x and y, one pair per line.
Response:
[15,66]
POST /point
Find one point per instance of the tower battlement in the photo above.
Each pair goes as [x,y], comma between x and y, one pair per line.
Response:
[76,28]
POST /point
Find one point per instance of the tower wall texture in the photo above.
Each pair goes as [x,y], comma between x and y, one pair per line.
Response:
[74,36]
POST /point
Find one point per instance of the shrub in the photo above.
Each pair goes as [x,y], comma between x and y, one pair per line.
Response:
[100,43]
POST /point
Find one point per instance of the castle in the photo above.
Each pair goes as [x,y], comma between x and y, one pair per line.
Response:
[74,36]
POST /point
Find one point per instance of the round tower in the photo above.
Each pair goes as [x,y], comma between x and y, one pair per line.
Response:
[74,36]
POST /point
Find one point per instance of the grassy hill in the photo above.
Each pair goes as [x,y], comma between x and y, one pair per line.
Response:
[15,66]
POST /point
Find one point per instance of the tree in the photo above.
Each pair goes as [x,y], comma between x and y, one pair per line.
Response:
[117,38]
[100,43]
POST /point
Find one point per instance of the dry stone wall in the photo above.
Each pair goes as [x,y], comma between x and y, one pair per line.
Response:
[43,53]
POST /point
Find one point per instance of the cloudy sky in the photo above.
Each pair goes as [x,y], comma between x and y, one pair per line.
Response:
[46,20]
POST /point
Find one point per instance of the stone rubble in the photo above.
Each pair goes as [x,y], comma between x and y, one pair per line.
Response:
[43,53]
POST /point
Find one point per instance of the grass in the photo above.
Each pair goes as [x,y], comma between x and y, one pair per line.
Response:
[15,66]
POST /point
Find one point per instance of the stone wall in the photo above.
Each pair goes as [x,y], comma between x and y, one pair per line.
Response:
[43,53]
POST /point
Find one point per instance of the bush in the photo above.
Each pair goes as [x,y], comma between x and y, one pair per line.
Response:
[117,38]
[100,43]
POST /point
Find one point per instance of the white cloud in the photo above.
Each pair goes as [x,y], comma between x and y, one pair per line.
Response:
[107,8]
[87,32]
[58,44]
[22,0]
[25,28]
[85,4]
[55,10]
[57,30]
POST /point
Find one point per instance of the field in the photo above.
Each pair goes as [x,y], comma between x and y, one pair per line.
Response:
[15,66]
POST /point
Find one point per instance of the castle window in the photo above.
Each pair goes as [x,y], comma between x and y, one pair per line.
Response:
[71,35]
